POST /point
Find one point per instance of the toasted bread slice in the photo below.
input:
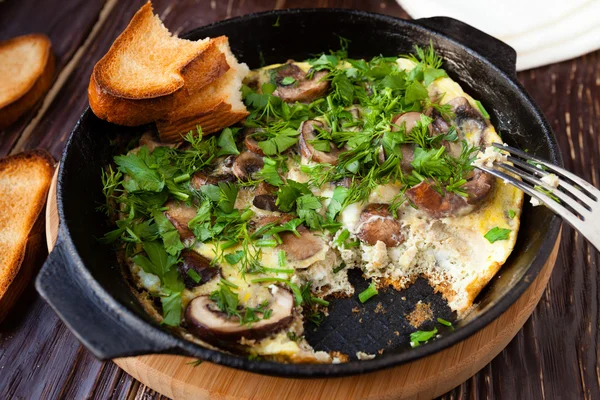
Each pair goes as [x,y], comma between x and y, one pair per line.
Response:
[135,82]
[27,69]
[217,106]
[24,182]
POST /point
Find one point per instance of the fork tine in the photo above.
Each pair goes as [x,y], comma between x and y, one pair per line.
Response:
[540,172]
[561,196]
[589,189]
[571,218]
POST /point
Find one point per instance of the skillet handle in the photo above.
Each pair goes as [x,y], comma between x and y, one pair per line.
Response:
[496,51]
[106,331]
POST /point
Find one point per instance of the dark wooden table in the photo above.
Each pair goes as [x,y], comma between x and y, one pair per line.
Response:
[555,355]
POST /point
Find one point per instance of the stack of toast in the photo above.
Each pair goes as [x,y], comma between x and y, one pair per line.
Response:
[150,76]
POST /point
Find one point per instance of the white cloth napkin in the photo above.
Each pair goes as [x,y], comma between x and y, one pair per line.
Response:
[541,31]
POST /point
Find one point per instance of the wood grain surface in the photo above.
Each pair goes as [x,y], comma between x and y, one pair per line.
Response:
[555,355]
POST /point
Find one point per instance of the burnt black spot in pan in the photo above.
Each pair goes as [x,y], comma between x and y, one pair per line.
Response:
[381,323]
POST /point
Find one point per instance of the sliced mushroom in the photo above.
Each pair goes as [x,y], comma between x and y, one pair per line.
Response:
[308,133]
[246,165]
[180,214]
[272,219]
[468,120]
[149,140]
[190,260]
[200,179]
[206,321]
[408,119]
[478,186]
[376,224]
[265,198]
[302,89]
[446,204]
[251,143]
[301,247]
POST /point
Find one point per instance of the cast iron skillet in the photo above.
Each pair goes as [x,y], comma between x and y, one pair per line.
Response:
[82,280]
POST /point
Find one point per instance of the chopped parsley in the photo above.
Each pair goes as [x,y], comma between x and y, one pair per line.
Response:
[288,80]
[495,234]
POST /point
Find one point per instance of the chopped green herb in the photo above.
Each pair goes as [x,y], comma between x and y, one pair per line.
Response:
[368,293]
[281,258]
[339,268]
[482,110]
[419,337]
[288,80]
[511,213]
[495,234]
[547,192]
[444,322]
[194,275]
[195,363]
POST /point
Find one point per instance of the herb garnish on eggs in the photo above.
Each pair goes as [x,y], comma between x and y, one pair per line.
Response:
[341,164]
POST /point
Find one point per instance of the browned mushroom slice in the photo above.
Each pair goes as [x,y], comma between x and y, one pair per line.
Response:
[206,321]
[478,186]
[467,118]
[308,133]
[300,89]
[251,143]
[298,248]
[180,214]
[272,219]
[446,204]
[149,140]
[190,260]
[265,198]
[247,164]
[376,224]
[200,179]
[437,205]
[408,119]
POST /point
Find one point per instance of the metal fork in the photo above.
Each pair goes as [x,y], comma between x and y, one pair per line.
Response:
[575,200]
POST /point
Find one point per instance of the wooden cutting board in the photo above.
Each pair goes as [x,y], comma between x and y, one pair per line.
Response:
[176,377]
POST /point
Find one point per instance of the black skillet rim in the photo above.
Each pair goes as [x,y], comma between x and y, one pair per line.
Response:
[182,346]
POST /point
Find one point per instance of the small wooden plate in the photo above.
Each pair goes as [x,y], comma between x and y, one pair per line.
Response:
[429,377]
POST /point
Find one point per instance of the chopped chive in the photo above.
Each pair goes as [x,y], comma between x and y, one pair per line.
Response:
[444,322]
[294,288]
[317,300]
[180,196]
[246,215]
[281,258]
[194,275]
[368,293]
[354,243]
[227,283]
[482,110]
[228,244]
[418,337]
[266,243]
[339,268]
[511,213]
[181,178]
[280,270]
